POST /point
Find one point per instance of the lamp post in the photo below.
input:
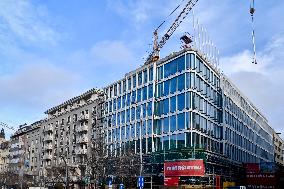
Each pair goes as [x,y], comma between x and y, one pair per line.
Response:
[66,172]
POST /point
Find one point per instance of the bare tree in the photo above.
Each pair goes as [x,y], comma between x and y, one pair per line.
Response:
[97,158]
[55,174]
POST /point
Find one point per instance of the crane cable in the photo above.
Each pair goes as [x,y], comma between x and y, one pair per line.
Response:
[170,15]
[252,10]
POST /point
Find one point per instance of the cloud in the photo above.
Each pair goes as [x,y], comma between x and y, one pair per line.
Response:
[262,83]
[33,88]
[111,52]
[139,12]
[136,11]
[25,23]
[36,85]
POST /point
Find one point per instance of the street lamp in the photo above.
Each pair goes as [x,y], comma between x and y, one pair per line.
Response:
[66,172]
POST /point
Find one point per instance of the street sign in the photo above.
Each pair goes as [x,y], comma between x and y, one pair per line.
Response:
[110,183]
[141,182]
[121,186]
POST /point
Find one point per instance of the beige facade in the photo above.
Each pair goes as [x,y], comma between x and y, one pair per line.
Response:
[278,148]
[67,133]
[4,155]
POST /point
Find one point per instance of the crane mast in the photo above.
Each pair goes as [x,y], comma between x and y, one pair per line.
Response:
[155,54]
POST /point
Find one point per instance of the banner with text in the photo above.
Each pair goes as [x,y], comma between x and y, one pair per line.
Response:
[184,168]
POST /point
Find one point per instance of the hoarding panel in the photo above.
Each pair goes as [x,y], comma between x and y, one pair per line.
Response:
[184,168]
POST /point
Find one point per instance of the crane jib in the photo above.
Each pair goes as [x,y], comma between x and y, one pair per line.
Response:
[188,7]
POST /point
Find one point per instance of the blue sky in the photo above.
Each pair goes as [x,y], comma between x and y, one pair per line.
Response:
[53,50]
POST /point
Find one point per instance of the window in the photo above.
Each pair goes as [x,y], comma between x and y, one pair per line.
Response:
[181,101]
[149,108]
[170,68]
[144,110]
[188,126]
[166,106]
[138,112]
[173,141]
[124,85]
[144,91]
[122,133]
[173,123]
[129,83]
[173,104]
[173,85]
[118,118]
[145,76]
[159,89]
[166,128]
[160,73]
[150,91]
[190,60]
[127,128]
[181,82]
[166,87]
[123,101]
[133,97]
[166,141]
[158,126]
[134,81]
[188,100]
[132,114]
[138,95]
[144,129]
[181,121]
[132,131]
[149,127]
[180,64]
[140,78]
[180,140]
[188,139]
[118,103]
[123,117]
[151,74]
[138,129]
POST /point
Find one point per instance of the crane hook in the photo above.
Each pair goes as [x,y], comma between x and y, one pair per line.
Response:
[252,11]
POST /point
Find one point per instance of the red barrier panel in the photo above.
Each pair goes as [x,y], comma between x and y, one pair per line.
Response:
[171,181]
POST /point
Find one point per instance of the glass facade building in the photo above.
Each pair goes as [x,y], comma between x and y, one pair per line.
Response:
[181,102]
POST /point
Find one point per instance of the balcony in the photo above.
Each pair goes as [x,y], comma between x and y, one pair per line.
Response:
[47,156]
[82,140]
[48,147]
[48,128]
[81,151]
[48,138]
[82,128]
[83,117]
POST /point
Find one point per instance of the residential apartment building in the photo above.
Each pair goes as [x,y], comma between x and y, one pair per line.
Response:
[17,149]
[33,148]
[183,104]
[278,149]
[68,131]
[25,148]
[4,152]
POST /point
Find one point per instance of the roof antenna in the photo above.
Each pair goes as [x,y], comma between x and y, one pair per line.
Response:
[252,10]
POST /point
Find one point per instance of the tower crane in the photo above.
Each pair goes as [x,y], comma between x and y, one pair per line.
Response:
[155,54]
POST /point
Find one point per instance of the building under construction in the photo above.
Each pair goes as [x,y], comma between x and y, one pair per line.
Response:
[181,110]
